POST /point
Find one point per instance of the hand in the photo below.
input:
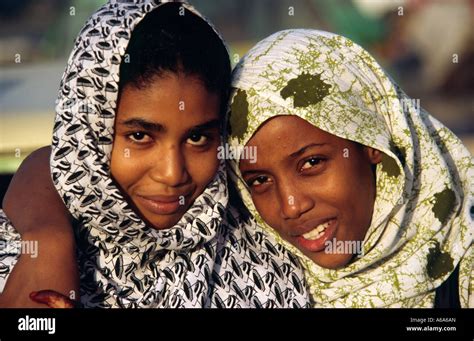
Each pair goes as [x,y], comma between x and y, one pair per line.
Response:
[54,267]
[53,299]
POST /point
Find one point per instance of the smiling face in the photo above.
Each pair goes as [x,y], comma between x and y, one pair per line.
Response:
[165,146]
[313,188]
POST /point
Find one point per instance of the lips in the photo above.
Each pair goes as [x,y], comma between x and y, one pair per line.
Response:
[162,205]
[308,226]
[163,198]
[316,233]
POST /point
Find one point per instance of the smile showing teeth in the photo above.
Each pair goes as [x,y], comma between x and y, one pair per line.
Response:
[317,232]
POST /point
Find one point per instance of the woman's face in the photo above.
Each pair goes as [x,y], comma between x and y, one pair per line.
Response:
[165,146]
[312,187]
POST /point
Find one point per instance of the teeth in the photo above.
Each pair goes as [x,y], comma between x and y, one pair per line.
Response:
[317,232]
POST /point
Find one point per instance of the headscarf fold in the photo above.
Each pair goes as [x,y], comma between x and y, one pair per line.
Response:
[213,257]
[422,224]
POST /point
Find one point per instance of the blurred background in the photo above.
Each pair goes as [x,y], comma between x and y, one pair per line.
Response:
[426,45]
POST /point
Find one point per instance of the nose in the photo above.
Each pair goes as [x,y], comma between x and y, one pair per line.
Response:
[293,201]
[170,167]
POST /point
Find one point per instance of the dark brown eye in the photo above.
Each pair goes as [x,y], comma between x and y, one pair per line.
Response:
[197,139]
[139,137]
[259,180]
[312,162]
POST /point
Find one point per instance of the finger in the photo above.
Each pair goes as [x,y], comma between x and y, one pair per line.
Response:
[52,299]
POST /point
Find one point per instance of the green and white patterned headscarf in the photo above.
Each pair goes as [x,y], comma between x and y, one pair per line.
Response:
[422,225]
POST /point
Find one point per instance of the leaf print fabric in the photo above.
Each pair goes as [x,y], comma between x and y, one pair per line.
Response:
[422,225]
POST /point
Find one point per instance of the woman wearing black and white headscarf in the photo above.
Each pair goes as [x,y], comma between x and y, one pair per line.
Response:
[210,256]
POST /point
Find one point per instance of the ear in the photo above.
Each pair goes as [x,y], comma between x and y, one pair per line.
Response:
[374,155]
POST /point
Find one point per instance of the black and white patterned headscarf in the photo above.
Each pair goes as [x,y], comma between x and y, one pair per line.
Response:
[213,257]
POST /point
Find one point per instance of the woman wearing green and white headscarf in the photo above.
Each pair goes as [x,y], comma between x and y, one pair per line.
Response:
[414,223]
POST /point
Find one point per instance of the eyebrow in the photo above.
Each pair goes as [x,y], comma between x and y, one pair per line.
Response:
[206,125]
[303,149]
[157,127]
[143,124]
[292,155]
[250,172]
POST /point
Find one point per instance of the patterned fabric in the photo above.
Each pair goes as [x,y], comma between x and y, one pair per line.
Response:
[213,257]
[422,225]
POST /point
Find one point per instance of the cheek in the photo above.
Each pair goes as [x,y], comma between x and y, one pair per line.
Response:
[126,166]
[356,198]
[347,180]
[339,188]
[268,210]
[202,167]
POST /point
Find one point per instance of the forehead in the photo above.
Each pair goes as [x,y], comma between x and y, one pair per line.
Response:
[176,94]
[168,85]
[289,130]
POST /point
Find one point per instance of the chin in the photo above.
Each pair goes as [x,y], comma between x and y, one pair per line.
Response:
[163,225]
[162,222]
[331,261]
